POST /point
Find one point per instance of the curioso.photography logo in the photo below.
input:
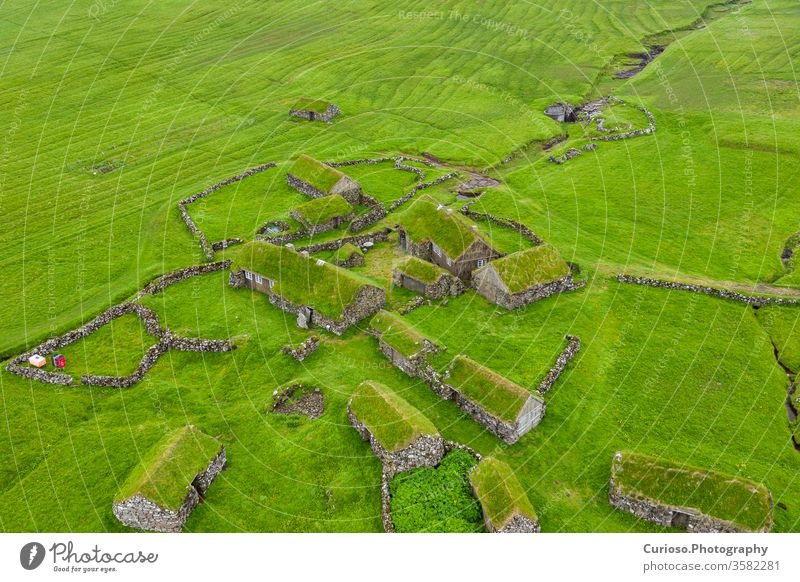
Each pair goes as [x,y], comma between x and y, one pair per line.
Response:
[31,555]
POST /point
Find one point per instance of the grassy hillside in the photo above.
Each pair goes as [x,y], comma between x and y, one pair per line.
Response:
[113,112]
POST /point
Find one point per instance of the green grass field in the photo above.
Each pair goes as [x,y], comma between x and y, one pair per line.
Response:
[114,112]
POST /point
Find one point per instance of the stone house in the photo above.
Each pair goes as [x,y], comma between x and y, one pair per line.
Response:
[317,292]
[656,490]
[504,408]
[315,179]
[399,434]
[161,493]
[504,503]
[314,110]
[524,277]
[429,231]
[323,214]
[405,348]
[560,112]
[426,278]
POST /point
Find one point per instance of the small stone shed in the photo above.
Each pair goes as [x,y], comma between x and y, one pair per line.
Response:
[315,179]
[560,112]
[506,507]
[317,292]
[689,498]
[323,214]
[504,408]
[348,255]
[523,277]
[434,233]
[399,434]
[426,278]
[163,490]
[400,342]
[314,109]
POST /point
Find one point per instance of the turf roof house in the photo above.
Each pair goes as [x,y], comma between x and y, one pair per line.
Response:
[314,109]
[425,278]
[524,277]
[323,214]
[400,342]
[317,292]
[504,408]
[316,180]
[399,434]
[161,493]
[506,507]
[433,233]
[689,498]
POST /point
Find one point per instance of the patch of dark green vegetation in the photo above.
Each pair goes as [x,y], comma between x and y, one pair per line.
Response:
[436,499]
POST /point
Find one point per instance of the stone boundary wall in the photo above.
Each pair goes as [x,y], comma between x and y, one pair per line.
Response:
[304,187]
[283,238]
[569,352]
[386,502]
[568,155]
[358,240]
[305,349]
[141,513]
[377,211]
[651,128]
[415,303]
[501,221]
[221,245]
[754,300]
[421,186]
[208,249]
[166,341]
[160,283]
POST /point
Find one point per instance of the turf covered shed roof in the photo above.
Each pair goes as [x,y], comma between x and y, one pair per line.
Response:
[525,269]
[497,395]
[165,473]
[398,333]
[300,279]
[315,173]
[734,499]
[424,221]
[308,104]
[321,210]
[500,493]
[420,270]
[394,422]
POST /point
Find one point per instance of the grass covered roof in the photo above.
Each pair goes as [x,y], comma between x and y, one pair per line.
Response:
[308,104]
[500,492]
[494,393]
[346,251]
[529,268]
[422,221]
[396,332]
[299,279]
[419,269]
[321,210]
[734,499]
[314,172]
[166,472]
[393,421]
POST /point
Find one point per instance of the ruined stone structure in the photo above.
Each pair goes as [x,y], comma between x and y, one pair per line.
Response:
[754,300]
[305,349]
[330,112]
[299,399]
[560,112]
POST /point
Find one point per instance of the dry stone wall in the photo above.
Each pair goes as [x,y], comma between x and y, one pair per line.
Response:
[754,300]
[305,349]
[164,281]
[502,221]
[330,112]
[207,247]
[569,352]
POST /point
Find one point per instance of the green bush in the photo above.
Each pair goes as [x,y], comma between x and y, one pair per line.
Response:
[436,499]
